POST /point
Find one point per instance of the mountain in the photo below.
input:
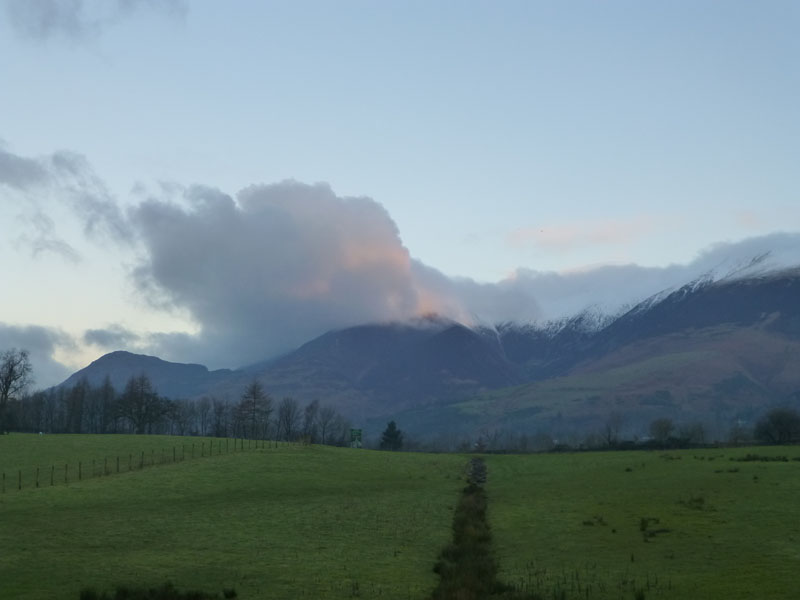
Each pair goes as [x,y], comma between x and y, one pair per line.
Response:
[175,380]
[715,350]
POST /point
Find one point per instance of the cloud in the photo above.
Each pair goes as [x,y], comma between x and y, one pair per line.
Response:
[79,19]
[613,287]
[39,185]
[42,343]
[277,266]
[114,337]
[42,239]
[21,173]
[576,234]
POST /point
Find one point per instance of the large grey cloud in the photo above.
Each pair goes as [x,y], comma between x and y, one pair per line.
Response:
[79,19]
[41,342]
[276,266]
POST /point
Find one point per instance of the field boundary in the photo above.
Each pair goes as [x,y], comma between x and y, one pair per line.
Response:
[67,472]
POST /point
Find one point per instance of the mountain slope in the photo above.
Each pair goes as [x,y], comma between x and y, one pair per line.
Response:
[711,350]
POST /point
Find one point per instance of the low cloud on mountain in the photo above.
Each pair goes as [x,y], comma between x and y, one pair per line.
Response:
[264,271]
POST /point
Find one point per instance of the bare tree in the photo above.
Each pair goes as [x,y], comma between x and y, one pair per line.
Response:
[310,421]
[661,430]
[611,428]
[204,414]
[327,415]
[76,404]
[181,416]
[15,376]
[221,414]
[288,419]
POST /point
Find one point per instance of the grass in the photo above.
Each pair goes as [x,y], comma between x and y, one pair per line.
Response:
[294,522]
[320,522]
[683,525]
[95,454]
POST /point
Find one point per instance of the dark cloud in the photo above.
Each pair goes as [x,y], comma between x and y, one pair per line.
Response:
[41,342]
[114,337]
[79,19]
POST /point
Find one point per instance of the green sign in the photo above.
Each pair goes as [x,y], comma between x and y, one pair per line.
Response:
[355,438]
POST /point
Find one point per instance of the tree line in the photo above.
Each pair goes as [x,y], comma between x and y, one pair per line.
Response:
[139,408]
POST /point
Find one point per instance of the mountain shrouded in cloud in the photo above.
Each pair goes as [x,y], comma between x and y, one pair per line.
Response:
[277,266]
[266,270]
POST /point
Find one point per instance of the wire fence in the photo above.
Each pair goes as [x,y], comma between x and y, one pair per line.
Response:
[66,472]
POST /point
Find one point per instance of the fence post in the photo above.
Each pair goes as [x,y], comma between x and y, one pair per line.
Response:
[173,454]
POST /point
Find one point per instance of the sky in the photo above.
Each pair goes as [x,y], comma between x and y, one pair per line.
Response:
[219,182]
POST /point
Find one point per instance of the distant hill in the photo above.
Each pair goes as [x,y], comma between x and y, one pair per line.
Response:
[715,351]
[175,380]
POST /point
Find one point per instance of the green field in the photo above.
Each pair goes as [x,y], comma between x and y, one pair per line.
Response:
[313,522]
[319,522]
[574,521]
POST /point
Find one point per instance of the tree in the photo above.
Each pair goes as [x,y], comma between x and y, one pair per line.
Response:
[220,412]
[327,415]
[253,411]
[779,426]
[15,376]
[392,438]
[203,414]
[288,419]
[310,422]
[661,430]
[141,405]
[611,429]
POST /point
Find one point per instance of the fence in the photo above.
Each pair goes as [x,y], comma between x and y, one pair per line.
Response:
[70,472]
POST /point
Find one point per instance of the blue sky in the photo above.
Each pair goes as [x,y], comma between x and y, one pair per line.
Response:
[504,140]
